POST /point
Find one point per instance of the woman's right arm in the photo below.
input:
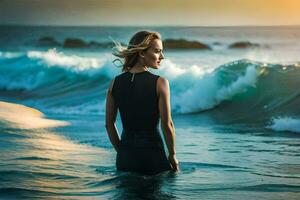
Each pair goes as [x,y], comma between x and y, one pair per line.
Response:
[167,125]
[110,118]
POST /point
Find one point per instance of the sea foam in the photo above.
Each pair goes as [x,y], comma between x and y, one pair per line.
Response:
[54,81]
[285,124]
[54,58]
[207,92]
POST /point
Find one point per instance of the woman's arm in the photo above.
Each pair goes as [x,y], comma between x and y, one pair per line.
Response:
[110,118]
[167,125]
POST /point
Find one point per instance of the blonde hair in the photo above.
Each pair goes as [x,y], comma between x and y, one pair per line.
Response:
[140,41]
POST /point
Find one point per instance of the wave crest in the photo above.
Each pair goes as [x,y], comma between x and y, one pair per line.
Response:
[60,82]
[34,70]
[285,124]
[241,89]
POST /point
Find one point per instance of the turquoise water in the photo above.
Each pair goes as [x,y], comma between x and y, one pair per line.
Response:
[236,114]
[217,162]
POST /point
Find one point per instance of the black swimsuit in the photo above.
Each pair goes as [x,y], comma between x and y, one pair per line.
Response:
[141,148]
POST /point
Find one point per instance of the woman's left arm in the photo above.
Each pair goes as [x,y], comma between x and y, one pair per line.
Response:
[110,118]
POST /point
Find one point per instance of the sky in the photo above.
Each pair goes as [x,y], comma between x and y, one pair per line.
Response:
[150,12]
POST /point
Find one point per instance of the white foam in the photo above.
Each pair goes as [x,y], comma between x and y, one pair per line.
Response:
[285,124]
[54,58]
[207,93]
[196,88]
[239,86]
[172,70]
[9,55]
[83,65]
[34,67]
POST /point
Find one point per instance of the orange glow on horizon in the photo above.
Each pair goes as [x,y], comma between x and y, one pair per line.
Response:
[154,12]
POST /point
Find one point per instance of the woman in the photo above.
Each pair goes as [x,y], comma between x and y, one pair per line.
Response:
[141,98]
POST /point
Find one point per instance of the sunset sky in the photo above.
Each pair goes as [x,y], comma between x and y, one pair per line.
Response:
[150,12]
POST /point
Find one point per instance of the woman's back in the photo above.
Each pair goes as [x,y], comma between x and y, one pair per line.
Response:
[136,98]
[141,148]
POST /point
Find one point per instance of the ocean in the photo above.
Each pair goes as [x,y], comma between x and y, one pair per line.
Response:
[235,107]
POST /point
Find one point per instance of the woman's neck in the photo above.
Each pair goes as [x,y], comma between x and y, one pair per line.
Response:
[137,69]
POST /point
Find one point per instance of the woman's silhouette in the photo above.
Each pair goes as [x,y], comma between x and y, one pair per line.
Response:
[142,98]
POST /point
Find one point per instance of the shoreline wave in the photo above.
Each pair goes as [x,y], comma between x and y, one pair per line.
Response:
[25,117]
[58,83]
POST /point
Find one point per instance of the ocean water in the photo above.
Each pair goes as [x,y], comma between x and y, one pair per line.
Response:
[236,114]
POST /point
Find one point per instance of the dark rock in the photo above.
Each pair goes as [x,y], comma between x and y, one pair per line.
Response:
[242,45]
[78,43]
[101,45]
[74,43]
[184,44]
[48,41]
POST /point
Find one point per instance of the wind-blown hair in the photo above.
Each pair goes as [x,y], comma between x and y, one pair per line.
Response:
[140,41]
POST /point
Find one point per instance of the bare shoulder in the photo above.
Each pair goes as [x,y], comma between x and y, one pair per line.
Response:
[162,85]
[111,84]
[162,81]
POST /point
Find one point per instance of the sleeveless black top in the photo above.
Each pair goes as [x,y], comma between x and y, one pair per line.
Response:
[141,147]
[136,98]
